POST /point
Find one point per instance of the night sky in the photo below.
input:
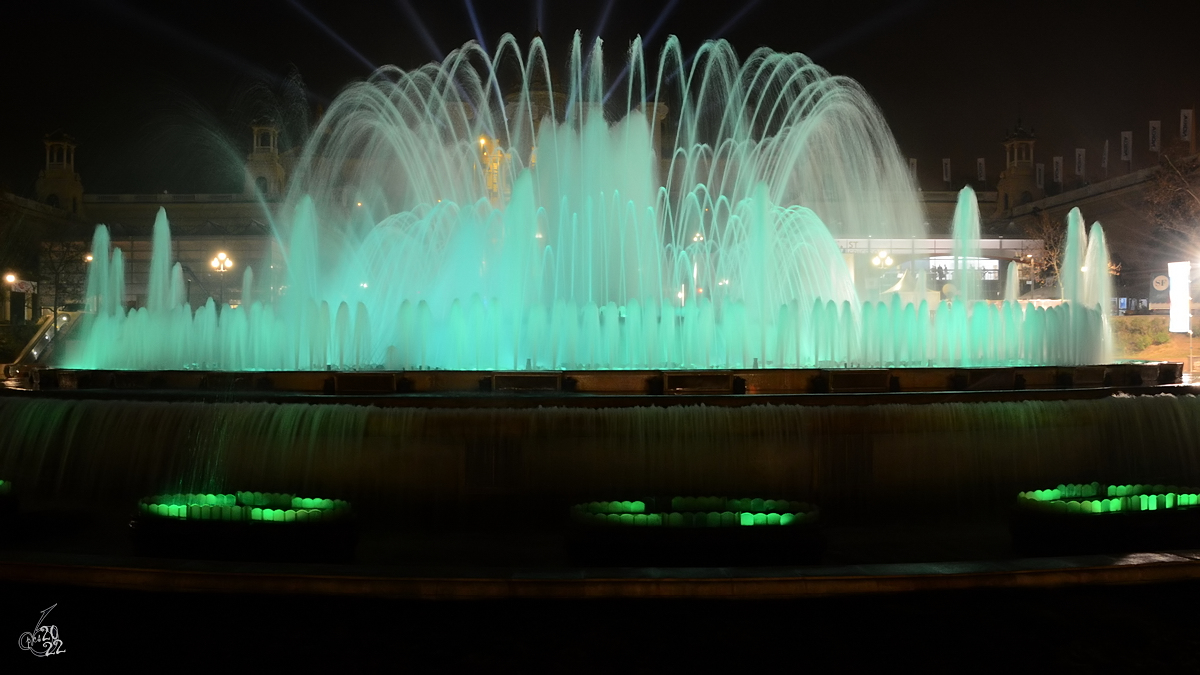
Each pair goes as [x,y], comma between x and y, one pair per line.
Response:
[145,86]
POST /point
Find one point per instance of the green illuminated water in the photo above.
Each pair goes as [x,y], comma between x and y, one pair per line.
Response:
[687,221]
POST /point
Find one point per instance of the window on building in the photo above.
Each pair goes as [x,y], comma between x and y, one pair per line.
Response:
[944,267]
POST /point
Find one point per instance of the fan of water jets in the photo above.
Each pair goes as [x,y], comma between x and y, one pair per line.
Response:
[478,214]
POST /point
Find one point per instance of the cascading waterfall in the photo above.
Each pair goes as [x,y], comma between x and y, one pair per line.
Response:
[885,457]
[434,222]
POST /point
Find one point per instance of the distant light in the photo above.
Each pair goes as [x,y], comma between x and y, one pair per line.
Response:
[482,141]
[363,284]
[360,203]
[538,235]
[216,263]
[1083,269]
[1180,274]
[888,261]
[221,256]
[87,258]
[10,278]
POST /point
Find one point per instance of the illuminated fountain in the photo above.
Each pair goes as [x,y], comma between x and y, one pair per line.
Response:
[434,222]
[687,221]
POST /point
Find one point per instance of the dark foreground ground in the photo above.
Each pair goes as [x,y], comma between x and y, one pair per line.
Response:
[1078,630]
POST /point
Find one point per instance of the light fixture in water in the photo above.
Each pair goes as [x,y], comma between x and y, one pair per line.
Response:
[1091,498]
[697,512]
[270,507]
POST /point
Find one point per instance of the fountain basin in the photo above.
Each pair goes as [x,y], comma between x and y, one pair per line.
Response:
[622,382]
[429,459]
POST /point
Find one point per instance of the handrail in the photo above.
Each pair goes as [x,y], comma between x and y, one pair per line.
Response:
[43,341]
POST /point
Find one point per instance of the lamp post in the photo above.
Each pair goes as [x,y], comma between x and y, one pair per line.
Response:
[222,263]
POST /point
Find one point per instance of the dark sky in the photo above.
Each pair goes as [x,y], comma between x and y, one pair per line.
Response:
[139,84]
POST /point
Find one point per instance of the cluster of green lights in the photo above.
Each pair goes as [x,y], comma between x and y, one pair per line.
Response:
[694,512]
[5,487]
[724,504]
[245,506]
[1091,498]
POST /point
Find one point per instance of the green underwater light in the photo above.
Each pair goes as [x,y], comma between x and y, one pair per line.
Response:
[698,512]
[270,507]
[5,487]
[1091,498]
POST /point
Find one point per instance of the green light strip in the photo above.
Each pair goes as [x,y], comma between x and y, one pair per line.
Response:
[5,487]
[769,513]
[1074,498]
[244,506]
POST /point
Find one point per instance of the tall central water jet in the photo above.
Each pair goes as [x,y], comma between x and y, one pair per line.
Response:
[435,221]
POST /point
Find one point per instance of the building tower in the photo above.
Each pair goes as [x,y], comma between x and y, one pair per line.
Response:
[1018,182]
[265,176]
[58,185]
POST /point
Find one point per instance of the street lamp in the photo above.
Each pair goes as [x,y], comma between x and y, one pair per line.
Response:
[222,263]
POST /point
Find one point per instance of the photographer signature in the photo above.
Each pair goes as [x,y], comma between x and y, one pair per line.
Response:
[43,641]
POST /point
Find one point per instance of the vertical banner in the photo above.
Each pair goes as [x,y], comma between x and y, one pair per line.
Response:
[912,167]
[1104,157]
[1185,124]
[1080,161]
[946,169]
[1155,134]
[1180,274]
[1058,169]
[1126,146]
[1041,176]
[980,170]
